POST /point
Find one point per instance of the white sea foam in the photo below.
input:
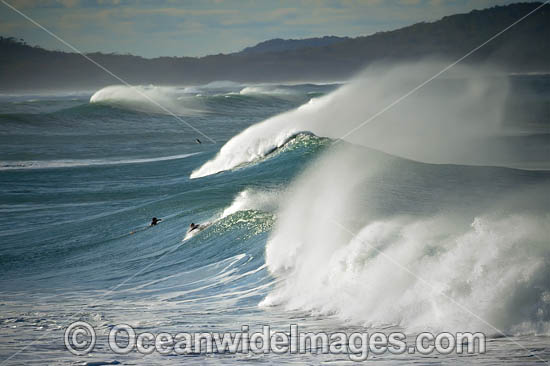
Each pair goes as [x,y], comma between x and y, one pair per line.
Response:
[68,163]
[450,271]
[267,90]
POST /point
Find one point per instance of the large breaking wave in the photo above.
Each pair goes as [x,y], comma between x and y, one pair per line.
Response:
[360,238]
[378,240]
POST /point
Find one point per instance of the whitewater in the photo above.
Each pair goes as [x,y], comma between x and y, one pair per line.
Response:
[433,216]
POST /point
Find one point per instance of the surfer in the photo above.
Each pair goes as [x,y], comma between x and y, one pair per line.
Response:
[154,222]
[198,141]
[193,226]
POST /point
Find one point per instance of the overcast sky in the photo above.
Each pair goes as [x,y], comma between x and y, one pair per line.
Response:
[153,28]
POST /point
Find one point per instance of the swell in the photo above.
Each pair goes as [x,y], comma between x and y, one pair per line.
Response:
[73,114]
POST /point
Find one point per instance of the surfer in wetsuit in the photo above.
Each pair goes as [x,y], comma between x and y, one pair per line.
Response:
[193,226]
[154,222]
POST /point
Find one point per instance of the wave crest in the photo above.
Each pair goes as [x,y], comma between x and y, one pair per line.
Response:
[243,149]
[148,99]
[433,125]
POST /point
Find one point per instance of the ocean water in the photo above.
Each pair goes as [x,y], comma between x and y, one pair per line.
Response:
[411,228]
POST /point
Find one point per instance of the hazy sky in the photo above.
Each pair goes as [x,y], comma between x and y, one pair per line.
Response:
[199,27]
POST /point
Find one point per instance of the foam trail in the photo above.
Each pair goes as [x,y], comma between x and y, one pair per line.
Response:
[431,125]
[45,164]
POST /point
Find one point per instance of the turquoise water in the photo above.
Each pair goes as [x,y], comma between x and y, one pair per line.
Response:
[80,181]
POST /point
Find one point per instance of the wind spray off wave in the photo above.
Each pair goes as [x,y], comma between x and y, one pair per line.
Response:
[431,125]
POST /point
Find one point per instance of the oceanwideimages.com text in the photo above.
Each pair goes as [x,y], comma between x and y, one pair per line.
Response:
[80,339]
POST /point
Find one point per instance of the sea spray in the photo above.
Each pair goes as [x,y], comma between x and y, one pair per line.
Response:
[251,199]
[435,124]
[457,269]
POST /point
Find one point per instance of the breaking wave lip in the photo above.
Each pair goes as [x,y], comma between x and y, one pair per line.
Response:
[259,140]
[446,123]
[69,163]
[264,149]
[248,199]
[251,199]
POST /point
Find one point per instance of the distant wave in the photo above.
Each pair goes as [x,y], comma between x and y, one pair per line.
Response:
[45,164]
[148,99]
[268,90]
[192,99]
